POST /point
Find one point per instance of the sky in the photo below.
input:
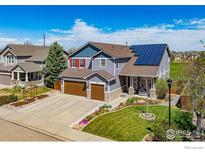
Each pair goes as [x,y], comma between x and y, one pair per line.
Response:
[182,27]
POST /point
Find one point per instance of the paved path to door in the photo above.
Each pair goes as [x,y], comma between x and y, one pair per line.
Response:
[54,115]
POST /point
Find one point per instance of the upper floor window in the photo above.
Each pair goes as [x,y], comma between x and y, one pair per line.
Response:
[10,59]
[102,62]
[74,63]
[82,63]
[77,63]
[116,63]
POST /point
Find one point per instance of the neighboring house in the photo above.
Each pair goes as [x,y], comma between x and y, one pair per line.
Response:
[22,64]
[104,71]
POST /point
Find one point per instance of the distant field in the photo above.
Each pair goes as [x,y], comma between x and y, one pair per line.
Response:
[176,70]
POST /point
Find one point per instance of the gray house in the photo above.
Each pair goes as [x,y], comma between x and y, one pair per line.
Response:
[103,71]
[22,64]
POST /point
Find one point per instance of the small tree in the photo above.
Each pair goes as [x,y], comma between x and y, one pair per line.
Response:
[195,77]
[161,88]
[54,64]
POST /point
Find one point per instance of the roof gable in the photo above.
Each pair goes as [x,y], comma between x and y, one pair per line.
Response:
[26,50]
[114,50]
[149,54]
[88,50]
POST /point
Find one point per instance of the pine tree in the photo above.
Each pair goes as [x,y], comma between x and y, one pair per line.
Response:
[55,63]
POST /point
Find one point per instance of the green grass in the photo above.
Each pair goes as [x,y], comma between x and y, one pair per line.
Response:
[176,70]
[126,125]
[9,91]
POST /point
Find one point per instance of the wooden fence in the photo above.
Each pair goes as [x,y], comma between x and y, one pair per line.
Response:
[57,85]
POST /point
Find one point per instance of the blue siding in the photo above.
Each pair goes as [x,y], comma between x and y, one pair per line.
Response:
[96,78]
[102,55]
[122,62]
[109,66]
[87,51]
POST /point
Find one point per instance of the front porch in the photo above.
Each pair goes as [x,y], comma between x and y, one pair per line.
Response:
[26,73]
[142,86]
[25,78]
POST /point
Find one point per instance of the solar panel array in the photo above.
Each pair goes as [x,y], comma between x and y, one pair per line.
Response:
[150,54]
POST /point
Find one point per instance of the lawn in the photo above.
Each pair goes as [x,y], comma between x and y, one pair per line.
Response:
[9,91]
[126,125]
[176,70]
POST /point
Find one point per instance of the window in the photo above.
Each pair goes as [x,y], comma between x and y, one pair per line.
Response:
[10,59]
[74,62]
[82,63]
[116,63]
[102,63]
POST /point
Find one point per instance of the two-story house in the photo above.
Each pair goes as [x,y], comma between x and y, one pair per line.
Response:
[104,71]
[22,64]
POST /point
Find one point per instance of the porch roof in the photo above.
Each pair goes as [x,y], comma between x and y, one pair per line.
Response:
[28,67]
[85,73]
[138,70]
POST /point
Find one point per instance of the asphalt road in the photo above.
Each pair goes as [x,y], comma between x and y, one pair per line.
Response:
[12,132]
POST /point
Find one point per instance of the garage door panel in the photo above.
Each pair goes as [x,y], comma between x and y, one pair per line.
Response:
[75,88]
[97,92]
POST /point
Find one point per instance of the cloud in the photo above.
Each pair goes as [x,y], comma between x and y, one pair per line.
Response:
[4,41]
[178,39]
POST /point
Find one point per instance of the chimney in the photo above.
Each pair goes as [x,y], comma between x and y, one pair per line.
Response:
[126,43]
[44,40]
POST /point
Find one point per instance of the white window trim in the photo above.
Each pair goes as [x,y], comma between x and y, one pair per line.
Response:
[117,61]
[105,62]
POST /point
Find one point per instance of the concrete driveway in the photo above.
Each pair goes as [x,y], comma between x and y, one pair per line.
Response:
[54,115]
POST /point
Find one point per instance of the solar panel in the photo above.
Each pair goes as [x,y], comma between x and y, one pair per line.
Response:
[150,54]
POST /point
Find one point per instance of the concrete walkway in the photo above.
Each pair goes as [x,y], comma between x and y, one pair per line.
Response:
[174,101]
[52,116]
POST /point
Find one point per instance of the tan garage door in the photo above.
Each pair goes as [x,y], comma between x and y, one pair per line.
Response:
[97,92]
[5,79]
[75,88]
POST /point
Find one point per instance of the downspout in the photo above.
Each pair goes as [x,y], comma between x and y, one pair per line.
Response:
[114,67]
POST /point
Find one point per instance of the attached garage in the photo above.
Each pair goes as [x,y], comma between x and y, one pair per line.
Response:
[75,88]
[97,92]
[5,79]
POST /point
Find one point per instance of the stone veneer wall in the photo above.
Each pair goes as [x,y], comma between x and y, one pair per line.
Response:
[88,94]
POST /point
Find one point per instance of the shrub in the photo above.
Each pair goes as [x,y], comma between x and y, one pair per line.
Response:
[159,132]
[89,117]
[161,88]
[13,98]
[18,88]
[183,120]
[4,100]
[8,99]
[130,101]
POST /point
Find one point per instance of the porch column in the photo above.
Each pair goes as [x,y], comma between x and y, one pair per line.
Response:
[26,74]
[126,82]
[18,76]
[131,90]
[12,75]
[153,89]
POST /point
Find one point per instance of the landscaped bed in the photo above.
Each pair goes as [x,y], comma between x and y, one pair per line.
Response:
[19,96]
[127,125]
[18,91]
[28,101]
